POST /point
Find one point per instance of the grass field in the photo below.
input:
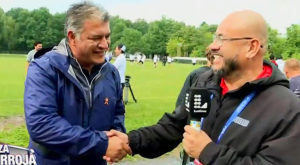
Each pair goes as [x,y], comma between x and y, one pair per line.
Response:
[12,77]
[156,90]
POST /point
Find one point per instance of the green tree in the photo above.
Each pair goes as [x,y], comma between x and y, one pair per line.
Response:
[55,29]
[141,25]
[2,20]
[208,28]
[132,39]
[174,47]
[21,17]
[20,28]
[117,26]
[195,40]
[159,33]
[205,37]
[146,48]
[276,44]
[37,27]
[292,41]
[7,32]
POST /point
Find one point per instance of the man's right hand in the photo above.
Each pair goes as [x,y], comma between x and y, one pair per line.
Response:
[118,146]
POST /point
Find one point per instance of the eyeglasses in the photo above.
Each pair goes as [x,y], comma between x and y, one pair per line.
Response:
[219,39]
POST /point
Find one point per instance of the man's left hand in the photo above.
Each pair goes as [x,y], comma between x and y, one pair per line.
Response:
[194,141]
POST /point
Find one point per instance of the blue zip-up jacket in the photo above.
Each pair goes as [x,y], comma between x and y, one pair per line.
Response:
[65,126]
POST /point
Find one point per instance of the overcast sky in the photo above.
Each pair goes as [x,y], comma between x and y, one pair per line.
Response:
[278,13]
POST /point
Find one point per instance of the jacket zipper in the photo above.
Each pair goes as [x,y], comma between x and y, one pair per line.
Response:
[86,81]
[90,84]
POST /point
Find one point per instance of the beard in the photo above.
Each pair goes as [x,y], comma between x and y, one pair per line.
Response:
[230,65]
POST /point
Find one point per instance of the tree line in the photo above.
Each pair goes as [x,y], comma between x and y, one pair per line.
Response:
[20,28]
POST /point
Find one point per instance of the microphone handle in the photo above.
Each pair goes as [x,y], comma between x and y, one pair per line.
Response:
[197,125]
[186,160]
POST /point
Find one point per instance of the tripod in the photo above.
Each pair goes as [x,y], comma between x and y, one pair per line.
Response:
[128,86]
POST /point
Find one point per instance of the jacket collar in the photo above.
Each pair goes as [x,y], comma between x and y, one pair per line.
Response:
[211,81]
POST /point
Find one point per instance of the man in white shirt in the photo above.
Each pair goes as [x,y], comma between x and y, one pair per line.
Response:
[194,61]
[120,62]
[108,56]
[155,60]
[280,64]
[143,59]
[169,59]
[37,46]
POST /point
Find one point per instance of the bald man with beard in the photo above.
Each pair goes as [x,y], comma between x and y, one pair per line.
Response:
[254,117]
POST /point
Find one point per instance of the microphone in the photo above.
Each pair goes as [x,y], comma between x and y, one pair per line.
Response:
[197,102]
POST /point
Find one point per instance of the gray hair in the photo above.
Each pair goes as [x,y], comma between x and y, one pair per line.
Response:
[79,13]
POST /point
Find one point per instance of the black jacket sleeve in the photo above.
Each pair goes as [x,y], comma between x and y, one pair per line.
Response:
[155,140]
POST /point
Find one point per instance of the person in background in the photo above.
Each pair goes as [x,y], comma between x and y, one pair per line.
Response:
[155,60]
[193,76]
[138,58]
[108,56]
[292,72]
[120,62]
[272,59]
[41,52]
[73,96]
[194,61]
[131,58]
[169,59]
[143,58]
[254,118]
[164,60]
[280,63]
[30,56]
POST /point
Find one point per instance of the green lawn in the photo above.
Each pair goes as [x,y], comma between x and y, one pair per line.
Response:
[156,90]
[12,77]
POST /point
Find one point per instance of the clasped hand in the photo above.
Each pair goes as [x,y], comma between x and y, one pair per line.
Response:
[118,146]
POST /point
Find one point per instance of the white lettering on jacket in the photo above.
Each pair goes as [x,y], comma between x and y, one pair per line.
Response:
[241,121]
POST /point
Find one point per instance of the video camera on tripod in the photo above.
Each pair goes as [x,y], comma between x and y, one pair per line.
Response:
[127,79]
[128,87]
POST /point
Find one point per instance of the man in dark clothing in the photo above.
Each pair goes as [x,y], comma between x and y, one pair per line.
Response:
[192,77]
[273,60]
[265,129]
[164,60]
[292,72]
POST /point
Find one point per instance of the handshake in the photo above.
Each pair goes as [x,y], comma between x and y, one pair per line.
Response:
[194,142]
[118,146]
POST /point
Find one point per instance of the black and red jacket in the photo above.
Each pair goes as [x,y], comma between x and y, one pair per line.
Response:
[271,136]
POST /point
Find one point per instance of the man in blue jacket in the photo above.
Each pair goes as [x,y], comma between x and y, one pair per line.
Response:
[73,96]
